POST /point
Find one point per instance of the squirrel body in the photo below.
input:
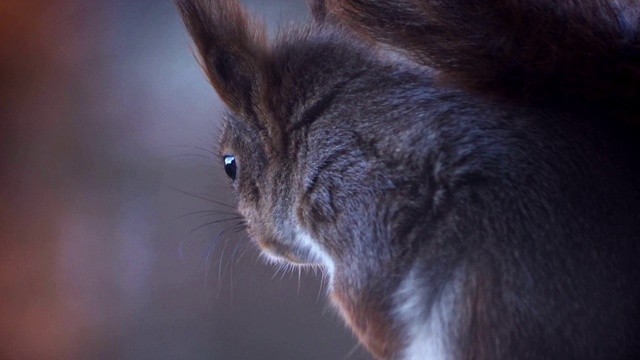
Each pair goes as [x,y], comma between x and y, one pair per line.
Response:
[469,181]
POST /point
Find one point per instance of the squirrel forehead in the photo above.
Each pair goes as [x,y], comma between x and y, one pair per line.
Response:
[303,63]
[270,83]
[300,77]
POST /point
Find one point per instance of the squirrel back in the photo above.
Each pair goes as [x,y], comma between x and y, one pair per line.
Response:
[465,172]
[574,54]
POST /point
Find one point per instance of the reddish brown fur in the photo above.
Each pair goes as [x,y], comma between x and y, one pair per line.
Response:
[243,39]
[371,322]
[569,52]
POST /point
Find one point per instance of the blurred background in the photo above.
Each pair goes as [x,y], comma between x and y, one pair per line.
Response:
[115,241]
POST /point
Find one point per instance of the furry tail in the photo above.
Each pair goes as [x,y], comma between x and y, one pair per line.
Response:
[580,53]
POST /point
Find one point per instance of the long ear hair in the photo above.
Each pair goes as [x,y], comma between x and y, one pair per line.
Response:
[576,52]
[322,14]
[232,48]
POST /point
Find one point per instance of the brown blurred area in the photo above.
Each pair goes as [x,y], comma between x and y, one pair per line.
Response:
[106,123]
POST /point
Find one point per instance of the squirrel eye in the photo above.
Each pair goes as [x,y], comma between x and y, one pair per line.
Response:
[230,166]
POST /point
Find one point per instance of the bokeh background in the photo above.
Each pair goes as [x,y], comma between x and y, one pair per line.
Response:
[110,244]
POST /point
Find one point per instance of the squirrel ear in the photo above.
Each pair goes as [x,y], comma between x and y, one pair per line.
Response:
[400,23]
[322,13]
[319,10]
[231,45]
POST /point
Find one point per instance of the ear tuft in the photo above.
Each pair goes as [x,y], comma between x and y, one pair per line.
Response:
[322,12]
[231,45]
[319,10]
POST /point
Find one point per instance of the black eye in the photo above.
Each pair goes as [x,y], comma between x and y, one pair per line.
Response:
[230,166]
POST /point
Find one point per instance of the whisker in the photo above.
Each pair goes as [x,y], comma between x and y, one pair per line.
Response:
[210,251]
[286,269]
[195,148]
[233,254]
[211,212]
[275,273]
[226,242]
[352,351]
[229,264]
[220,265]
[201,197]
[187,155]
[181,244]
[236,249]
[216,222]
[246,242]
[321,285]
[205,150]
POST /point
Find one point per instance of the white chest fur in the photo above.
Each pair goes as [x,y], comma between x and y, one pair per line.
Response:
[427,330]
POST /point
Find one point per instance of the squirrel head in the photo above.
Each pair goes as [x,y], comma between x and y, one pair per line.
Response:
[319,143]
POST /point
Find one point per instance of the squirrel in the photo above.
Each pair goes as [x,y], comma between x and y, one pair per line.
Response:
[465,172]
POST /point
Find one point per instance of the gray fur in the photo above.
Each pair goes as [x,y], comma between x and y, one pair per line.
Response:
[526,216]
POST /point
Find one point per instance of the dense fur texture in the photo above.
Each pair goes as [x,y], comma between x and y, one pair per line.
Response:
[559,52]
[476,199]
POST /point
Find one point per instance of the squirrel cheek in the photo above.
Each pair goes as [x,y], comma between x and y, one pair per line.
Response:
[273,249]
[317,207]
